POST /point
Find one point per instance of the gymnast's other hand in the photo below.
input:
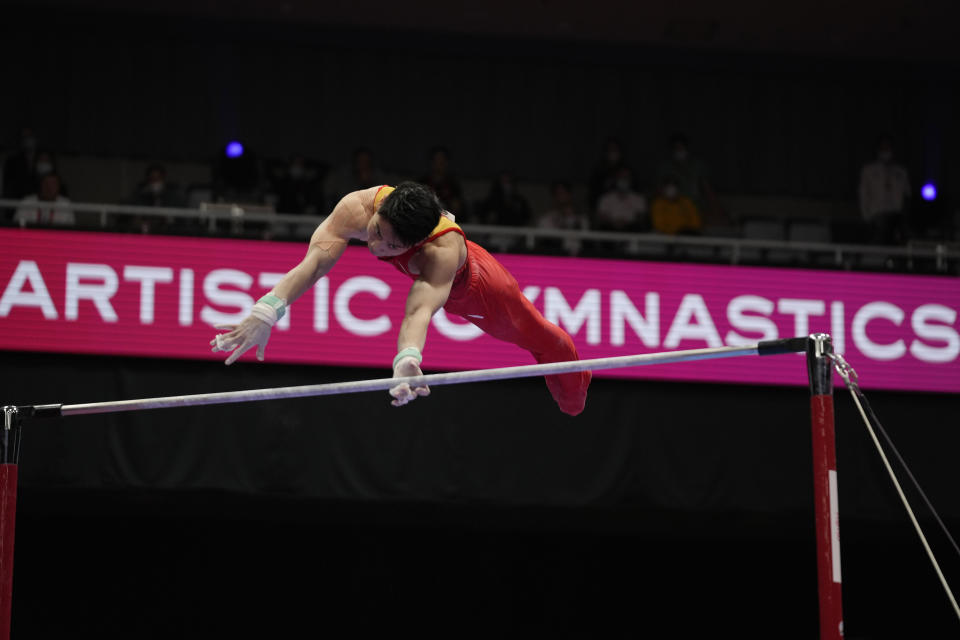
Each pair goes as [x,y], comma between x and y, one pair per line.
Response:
[252,332]
[402,393]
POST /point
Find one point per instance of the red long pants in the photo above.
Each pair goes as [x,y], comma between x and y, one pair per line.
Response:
[488,296]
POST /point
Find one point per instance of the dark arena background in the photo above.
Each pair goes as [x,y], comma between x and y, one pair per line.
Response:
[677,506]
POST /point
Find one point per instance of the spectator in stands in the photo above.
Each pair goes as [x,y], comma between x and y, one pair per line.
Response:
[884,194]
[35,209]
[623,209]
[563,215]
[238,177]
[504,204]
[442,180]
[689,172]
[156,190]
[19,169]
[45,164]
[299,187]
[604,176]
[361,173]
[672,212]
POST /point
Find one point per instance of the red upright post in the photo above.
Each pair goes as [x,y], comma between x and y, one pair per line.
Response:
[819,367]
[9,452]
[8,513]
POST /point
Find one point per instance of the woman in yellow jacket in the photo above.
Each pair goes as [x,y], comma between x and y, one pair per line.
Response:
[674,213]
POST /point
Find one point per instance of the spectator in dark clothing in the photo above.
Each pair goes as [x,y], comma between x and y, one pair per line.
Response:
[884,196]
[19,169]
[504,205]
[44,164]
[564,215]
[27,179]
[688,172]
[299,187]
[564,212]
[238,178]
[604,176]
[156,190]
[361,173]
[444,182]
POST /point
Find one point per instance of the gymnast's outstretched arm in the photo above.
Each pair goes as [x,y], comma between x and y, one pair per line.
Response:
[428,293]
[327,244]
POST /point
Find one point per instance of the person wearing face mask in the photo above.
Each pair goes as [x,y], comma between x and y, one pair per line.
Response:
[672,212]
[688,172]
[155,190]
[565,215]
[44,164]
[884,193]
[604,176]
[623,208]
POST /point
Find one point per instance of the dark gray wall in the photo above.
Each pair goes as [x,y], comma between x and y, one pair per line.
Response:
[177,88]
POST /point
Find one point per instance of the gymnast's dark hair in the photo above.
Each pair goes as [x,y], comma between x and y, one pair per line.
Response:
[413,210]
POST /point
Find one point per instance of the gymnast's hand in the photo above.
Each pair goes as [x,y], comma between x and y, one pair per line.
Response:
[241,338]
[402,393]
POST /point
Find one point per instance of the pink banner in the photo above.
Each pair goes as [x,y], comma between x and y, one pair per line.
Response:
[159,296]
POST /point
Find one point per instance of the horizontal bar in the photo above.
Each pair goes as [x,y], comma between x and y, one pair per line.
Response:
[382,384]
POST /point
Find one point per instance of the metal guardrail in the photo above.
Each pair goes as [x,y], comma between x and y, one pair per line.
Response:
[944,255]
[209,214]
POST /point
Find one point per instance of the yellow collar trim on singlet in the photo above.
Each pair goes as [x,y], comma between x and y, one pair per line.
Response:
[382,193]
[444,224]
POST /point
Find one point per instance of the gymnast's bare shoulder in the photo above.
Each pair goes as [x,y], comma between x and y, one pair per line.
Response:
[348,220]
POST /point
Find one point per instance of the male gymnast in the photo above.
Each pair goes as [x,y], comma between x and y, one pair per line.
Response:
[408,227]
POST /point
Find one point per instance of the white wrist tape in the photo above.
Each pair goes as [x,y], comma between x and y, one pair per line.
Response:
[269,308]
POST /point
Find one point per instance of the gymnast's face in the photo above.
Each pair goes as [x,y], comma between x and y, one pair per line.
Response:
[381,239]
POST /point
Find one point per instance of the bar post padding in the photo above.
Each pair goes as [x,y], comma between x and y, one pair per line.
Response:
[9,455]
[819,367]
